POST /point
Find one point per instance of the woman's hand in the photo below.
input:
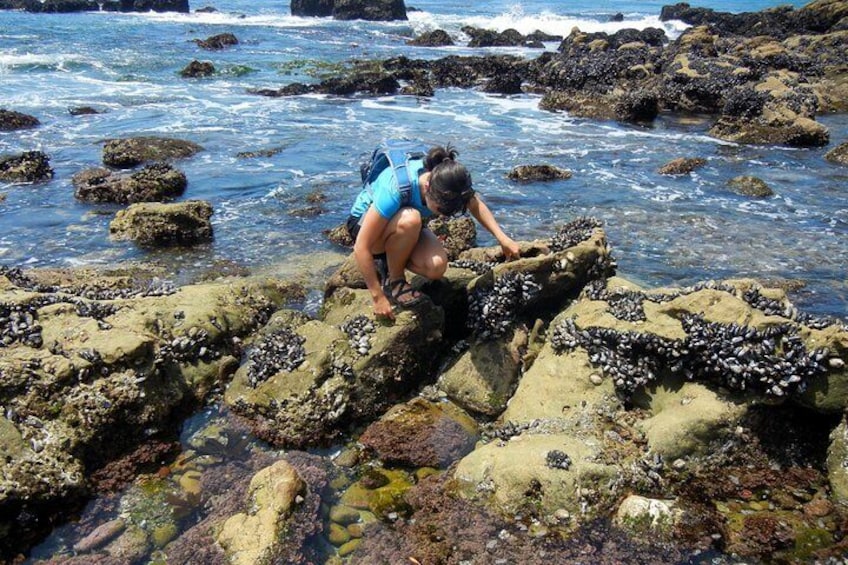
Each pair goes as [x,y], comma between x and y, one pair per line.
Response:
[383,308]
[510,249]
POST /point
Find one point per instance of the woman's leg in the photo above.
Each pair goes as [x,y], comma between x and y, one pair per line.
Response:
[402,238]
[428,258]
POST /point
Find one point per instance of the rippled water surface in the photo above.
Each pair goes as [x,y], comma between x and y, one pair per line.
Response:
[664,230]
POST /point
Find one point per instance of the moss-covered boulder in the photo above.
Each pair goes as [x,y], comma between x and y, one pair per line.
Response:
[153,183]
[153,224]
[484,377]
[29,166]
[750,186]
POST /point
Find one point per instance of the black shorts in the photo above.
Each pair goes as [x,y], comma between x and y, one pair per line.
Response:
[353,226]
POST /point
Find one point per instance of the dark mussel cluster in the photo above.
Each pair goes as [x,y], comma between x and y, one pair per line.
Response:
[556,459]
[574,232]
[492,311]
[477,267]
[281,350]
[773,361]
[194,345]
[153,287]
[773,307]
[19,322]
[627,305]
[357,330]
[624,304]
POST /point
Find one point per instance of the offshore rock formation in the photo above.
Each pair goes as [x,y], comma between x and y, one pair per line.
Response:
[162,225]
[765,76]
[153,183]
[131,152]
[373,10]
[11,120]
[67,6]
[30,166]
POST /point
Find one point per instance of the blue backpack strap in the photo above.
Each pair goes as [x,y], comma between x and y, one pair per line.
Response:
[396,154]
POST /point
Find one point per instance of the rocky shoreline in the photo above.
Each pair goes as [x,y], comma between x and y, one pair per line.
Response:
[544,397]
[537,411]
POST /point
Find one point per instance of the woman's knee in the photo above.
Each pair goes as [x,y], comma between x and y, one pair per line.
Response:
[409,219]
[438,266]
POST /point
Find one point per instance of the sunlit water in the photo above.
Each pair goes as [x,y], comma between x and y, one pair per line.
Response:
[664,230]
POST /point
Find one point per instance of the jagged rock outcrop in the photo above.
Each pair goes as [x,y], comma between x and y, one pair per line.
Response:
[198,69]
[217,42]
[154,5]
[373,10]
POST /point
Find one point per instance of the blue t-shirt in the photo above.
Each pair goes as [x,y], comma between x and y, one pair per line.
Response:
[385,194]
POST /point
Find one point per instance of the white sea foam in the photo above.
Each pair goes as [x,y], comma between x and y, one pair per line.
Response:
[278,20]
[547,21]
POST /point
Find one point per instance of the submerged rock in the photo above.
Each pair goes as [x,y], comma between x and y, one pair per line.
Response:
[421,434]
[751,186]
[251,537]
[682,166]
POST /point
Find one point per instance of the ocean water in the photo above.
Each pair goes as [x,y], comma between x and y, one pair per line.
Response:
[663,230]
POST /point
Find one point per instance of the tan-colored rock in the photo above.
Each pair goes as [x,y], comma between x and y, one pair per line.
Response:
[686,418]
[250,538]
[643,515]
[483,379]
[336,384]
[501,475]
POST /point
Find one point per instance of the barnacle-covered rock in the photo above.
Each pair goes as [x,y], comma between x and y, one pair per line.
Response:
[112,363]
[323,382]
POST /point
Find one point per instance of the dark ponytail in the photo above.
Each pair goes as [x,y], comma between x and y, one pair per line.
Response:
[450,181]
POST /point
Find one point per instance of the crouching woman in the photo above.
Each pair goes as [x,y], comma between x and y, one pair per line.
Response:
[389,233]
